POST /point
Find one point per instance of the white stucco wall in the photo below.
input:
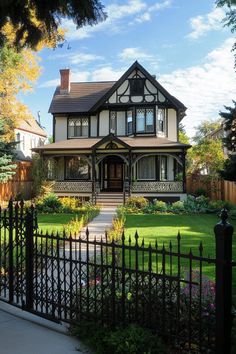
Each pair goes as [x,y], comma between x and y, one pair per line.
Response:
[172,125]
[120,123]
[104,123]
[60,128]
[27,141]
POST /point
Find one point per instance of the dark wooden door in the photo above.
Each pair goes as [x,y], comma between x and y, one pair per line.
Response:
[113,175]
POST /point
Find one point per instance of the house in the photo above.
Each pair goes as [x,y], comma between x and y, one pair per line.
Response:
[28,135]
[116,136]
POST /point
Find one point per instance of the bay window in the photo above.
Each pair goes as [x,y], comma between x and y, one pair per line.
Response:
[144,120]
[161,119]
[78,127]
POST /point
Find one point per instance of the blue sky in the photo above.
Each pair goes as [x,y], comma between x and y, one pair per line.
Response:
[182,42]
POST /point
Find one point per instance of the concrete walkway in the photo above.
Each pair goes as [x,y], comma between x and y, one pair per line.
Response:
[24,333]
[101,223]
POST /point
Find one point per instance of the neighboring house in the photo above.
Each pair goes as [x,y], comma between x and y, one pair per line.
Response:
[115,136]
[28,135]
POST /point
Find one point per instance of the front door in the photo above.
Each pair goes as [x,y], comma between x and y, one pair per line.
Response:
[112,174]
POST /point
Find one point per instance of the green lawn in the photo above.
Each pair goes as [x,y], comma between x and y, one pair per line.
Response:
[53,222]
[193,229]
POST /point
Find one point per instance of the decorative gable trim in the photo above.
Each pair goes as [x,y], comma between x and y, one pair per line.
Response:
[110,138]
[136,66]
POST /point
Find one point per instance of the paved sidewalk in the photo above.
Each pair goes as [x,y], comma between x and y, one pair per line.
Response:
[101,223]
[24,333]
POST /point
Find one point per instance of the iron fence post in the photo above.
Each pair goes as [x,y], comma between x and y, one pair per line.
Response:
[223,234]
[11,264]
[29,234]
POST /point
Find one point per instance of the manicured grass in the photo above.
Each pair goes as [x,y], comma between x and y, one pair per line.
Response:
[53,222]
[193,230]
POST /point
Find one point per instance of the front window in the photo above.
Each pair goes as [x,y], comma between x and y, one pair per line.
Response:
[146,168]
[77,168]
[129,122]
[145,120]
[161,119]
[78,127]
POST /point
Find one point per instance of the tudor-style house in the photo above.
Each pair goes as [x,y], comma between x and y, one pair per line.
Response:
[116,136]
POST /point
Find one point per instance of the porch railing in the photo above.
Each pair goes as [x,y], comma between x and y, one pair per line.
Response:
[73,186]
[157,186]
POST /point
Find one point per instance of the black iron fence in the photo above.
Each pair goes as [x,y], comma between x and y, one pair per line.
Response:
[69,278]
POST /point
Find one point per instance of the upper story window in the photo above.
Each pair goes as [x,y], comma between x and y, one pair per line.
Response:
[78,127]
[136,87]
[144,120]
[161,120]
[129,122]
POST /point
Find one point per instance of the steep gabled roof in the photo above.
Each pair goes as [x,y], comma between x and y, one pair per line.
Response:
[176,103]
[82,96]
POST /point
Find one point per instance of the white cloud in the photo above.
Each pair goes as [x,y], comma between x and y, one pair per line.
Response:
[134,53]
[204,23]
[106,74]
[147,15]
[115,13]
[204,88]
[50,83]
[83,58]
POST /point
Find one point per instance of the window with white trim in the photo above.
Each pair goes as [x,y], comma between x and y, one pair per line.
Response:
[144,120]
[146,168]
[78,127]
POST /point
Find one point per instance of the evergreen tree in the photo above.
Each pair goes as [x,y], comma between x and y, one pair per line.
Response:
[7,167]
[229,171]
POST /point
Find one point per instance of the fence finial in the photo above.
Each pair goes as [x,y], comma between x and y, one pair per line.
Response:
[224,215]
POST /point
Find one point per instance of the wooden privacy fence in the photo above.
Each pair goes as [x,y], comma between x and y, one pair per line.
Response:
[20,184]
[216,189]
[70,279]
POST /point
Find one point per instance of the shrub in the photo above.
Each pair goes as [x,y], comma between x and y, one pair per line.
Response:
[49,204]
[159,205]
[131,339]
[137,202]
[177,207]
[196,205]
[217,205]
[200,191]
[69,204]
[75,225]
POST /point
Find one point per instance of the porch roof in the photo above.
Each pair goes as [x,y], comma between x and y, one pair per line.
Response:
[132,142]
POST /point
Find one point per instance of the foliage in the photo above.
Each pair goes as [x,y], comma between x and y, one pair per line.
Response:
[75,225]
[49,204]
[159,205]
[33,21]
[230,19]
[137,202]
[131,339]
[196,205]
[178,207]
[70,204]
[7,167]
[229,168]
[184,139]
[200,191]
[37,170]
[207,154]
[217,205]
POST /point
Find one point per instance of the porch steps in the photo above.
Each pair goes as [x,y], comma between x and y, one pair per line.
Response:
[110,199]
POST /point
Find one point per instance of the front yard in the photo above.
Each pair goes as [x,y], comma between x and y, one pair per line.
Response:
[193,230]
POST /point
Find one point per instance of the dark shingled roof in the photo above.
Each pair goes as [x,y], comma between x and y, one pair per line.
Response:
[82,97]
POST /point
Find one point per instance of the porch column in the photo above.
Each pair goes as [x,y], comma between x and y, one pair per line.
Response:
[130,171]
[93,178]
[184,171]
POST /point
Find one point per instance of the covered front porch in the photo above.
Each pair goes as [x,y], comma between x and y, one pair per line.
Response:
[113,165]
